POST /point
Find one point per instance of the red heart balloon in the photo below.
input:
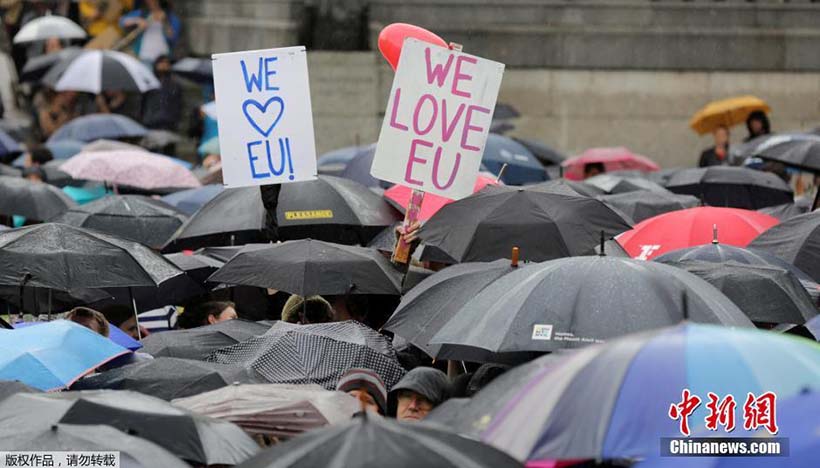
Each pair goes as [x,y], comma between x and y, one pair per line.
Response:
[392,38]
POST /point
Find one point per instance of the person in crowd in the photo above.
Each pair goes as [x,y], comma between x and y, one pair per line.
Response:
[418,392]
[102,17]
[89,318]
[366,386]
[718,154]
[157,29]
[758,125]
[207,313]
[37,155]
[314,309]
[54,110]
[122,317]
[349,307]
[162,108]
[593,169]
[110,102]
[34,174]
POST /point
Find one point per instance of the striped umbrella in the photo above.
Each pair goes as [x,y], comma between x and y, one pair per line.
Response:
[95,71]
[612,401]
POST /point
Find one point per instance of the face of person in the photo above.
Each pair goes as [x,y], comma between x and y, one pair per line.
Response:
[412,406]
[721,136]
[163,67]
[130,328]
[366,399]
[227,314]
[591,172]
[757,126]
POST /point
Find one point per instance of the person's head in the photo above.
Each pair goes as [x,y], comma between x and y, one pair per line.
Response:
[349,307]
[218,311]
[37,156]
[52,45]
[367,387]
[593,169]
[122,317]
[162,66]
[314,309]
[721,135]
[34,174]
[758,124]
[418,392]
[89,318]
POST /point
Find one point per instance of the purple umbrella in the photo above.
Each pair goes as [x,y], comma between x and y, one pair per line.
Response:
[139,169]
[116,335]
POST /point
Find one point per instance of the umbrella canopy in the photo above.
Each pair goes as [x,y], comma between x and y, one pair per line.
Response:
[92,127]
[9,147]
[796,240]
[573,302]
[574,187]
[522,166]
[399,197]
[135,217]
[613,184]
[198,343]
[190,200]
[314,354]
[334,162]
[309,267]
[358,168]
[641,204]
[694,226]
[613,159]
[585,405]
[36,67]
[115,335]
[543,223]
[139,169]
[133,451]
[53,355]
[733,187]
[95,71]
[33,200]
[799,150]
[168,378]
[545,154]
[13,387]
[766,294]
[46,27]
[274,410]
[194,438]
[209,146]
[158,139]
[35,300]
[65,258]
[433,302]
[371,442]
[726,112]
[65,149]
[195,69]
[10,171]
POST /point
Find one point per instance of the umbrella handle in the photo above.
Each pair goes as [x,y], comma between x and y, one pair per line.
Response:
[136,315]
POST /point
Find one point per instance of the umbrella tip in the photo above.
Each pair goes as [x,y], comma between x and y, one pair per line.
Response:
[714,234]
[53,428]
[514,260]
[602,253]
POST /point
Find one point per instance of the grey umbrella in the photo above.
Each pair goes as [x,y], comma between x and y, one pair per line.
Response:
[613,184]
[796,240]
[574,187]
[12,387]
[641,204]
[733,187]
[573,302]
[198,343]
[33,200]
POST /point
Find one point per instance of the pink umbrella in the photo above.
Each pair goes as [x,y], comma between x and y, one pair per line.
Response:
[399,195]
[614,159]
[139,169]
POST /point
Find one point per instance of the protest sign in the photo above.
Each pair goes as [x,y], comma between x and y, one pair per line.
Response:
[437,120]
[264,115]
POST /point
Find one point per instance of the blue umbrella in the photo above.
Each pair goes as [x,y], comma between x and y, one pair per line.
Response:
[522,167]
[191,200]
[358,168]
[8,146]
[97,127]
[334,162]
[209,146]
[115,334]
[83,195]
[62,149]
[54,355]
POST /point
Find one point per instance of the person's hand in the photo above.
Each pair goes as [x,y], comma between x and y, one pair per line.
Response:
[411,234]
[138,22]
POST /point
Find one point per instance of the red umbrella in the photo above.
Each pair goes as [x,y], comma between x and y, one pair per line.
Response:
[399,195]
[614,159]
[694,226]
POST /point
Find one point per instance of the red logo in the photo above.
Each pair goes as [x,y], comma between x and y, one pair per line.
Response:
[684,409]
[757,412]
[721,413]
[760,412]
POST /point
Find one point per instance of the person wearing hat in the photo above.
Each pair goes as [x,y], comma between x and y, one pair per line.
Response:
[314,309]
[366,386]
[418,392]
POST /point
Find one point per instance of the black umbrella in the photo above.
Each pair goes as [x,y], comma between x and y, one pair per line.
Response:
[9,171]
[734,187]
[195,69]
[434,301]
[39,300]
[309,267]
[641,204]
[574,187]
[547,155]
[13,387]
[544,224]
[764,293]
[314,354]
[796,240]
[358,169]
[95,71]
[801,205]
[33,200]
[194,438]
[613,184]
[168,378]
[573,302]
[36,67]
[220,254]
[793,149]
[374,442]
[139,218]
[198,343]
[133,451]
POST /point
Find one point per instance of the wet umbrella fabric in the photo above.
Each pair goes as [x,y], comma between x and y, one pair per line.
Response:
[168,378]
[198,343]
[586,405]
[138,169]
[48,26]
[32,200]
[574,187]
[522,167]
[796,240]
[36,67]
[613,159]
[334,162]
[190,200]
[9,147]
[641,204]
[314,354]
[613,184]
[13,387]
[788,210]
[309,267]
[733,187]
[95,71]
[133,451]
[545,154]
[543,223]
[138,218]
[572,302]
[358,168]
[274,410]
[92,127]
[115,335]
[369,441]
[195,69]
[194,438]
[793,149]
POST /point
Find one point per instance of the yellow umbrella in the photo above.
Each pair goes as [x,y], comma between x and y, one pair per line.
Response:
[726,112]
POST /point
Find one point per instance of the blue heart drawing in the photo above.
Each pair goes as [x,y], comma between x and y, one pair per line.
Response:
[263,108]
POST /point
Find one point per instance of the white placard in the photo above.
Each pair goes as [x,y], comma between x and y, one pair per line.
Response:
[264,114]
[437,120]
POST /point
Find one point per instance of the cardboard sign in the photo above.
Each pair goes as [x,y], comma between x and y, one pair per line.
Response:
[437,120]
[264,115]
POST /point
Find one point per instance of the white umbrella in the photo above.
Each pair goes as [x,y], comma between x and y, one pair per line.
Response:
[45,27]
[95,71]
